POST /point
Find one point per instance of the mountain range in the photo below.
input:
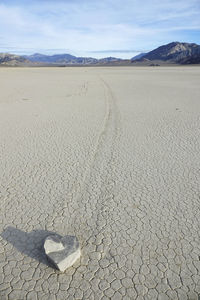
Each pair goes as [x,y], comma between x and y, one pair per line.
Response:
[175,52]
[172,53]
[60,59]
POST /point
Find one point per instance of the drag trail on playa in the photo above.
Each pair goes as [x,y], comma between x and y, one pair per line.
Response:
[111,155]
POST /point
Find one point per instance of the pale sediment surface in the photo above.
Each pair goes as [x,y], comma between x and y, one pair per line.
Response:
[111,155]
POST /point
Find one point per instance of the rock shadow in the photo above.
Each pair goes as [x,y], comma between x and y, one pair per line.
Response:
[30,244]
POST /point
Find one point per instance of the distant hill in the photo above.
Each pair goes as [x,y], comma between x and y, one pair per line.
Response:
[37,57]
[12,59]
[108,60]
[60,59]
[176,52]
[68,59]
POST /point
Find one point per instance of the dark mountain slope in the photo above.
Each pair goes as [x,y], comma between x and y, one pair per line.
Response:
[175,52]
[138,56]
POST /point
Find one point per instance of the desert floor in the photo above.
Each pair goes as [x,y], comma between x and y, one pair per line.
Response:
[111,155]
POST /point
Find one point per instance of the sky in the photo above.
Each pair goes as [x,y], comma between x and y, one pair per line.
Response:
[96,28]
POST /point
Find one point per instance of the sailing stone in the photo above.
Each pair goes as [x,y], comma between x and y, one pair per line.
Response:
[62,251]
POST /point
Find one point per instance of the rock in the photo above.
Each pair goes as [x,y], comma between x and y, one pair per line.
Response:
[62,251]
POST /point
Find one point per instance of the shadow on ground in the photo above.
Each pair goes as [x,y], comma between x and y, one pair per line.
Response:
[30,244]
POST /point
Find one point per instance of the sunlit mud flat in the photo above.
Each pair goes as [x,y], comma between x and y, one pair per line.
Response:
[112,156]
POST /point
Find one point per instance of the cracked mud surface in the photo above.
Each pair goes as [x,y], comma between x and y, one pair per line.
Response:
[111,155]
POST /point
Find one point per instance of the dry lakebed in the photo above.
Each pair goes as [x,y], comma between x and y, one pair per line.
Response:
[110,155]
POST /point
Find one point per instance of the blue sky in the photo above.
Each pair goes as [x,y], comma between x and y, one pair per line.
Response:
[120,28]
